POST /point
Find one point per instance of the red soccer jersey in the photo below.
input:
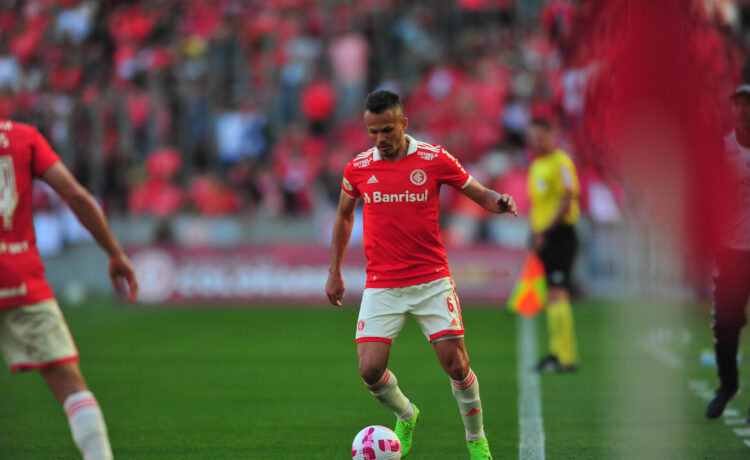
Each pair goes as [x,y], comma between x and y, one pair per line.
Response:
[24,155]
[401,210]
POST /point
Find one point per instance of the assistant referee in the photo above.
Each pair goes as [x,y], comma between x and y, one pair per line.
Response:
[554,191]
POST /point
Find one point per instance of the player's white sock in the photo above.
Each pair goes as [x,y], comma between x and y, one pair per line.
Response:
[387,392]
[87,426]
[466,393]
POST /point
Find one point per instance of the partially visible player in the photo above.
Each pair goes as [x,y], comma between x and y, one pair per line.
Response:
[33,333]
[553,190]
[732,271]
[407,270]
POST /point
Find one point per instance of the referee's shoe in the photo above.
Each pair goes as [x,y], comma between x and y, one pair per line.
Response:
[721,398]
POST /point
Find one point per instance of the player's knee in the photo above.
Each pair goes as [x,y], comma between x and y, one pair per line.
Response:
[457,366]
[371,373]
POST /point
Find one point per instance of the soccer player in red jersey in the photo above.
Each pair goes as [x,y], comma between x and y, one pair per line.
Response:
[33,333]
[407,270]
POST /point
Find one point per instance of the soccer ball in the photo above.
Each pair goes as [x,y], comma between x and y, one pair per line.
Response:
[376,443]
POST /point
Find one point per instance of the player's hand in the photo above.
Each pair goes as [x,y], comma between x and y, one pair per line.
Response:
[120,269]
[505,204]
[335,289]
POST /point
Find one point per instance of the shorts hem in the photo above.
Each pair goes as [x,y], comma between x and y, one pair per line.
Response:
[373,339]
[446,332]
[44,365]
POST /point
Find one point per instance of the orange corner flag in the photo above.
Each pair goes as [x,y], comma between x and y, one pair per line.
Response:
[530,292]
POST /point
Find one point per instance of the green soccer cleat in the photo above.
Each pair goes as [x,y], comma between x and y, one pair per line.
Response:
[405,430]
[479,449]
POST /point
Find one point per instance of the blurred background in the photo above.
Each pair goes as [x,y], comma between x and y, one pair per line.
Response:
[224,124]
[214,134]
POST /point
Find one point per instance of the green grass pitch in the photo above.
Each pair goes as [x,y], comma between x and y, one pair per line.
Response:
[282,383]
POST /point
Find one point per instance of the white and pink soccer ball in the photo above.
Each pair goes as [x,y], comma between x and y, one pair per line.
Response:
[376,443]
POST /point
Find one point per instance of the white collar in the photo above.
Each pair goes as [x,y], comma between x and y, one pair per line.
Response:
[411,149]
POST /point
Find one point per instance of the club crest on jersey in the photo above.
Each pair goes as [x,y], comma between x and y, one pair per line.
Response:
[418,177]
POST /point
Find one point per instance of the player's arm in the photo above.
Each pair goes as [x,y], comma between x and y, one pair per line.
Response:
[80,201]
[489,199]
[342,231]
[562,209]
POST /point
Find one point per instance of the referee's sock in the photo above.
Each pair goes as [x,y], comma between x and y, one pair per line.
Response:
[562,338]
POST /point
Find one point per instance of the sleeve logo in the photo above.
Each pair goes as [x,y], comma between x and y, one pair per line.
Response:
[348,185]
[418,177]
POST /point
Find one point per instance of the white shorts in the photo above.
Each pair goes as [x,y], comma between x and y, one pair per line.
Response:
[434,305]
[36,337]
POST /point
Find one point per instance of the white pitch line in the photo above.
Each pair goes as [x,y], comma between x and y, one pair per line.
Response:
[734,421]
[701,388]
[530,422]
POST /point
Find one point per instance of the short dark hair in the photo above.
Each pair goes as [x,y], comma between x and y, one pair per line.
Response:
[541,123]
[381,100]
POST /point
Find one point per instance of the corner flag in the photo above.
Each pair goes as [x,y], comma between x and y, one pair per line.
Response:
[530,292]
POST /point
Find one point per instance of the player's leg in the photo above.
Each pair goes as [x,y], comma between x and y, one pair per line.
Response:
[37,337]
[451,353]
[731,282]
[436,308]
[382,383]
[558,256]
[562,328]
[84,414]
[381,317]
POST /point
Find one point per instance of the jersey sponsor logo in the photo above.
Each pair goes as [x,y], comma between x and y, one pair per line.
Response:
[4,142]
[14,248]
[429,156]
[406,197]
[373,180]
[6,125]
[418,177]
[15,291]
[362,163]
[367,198]
[348,185]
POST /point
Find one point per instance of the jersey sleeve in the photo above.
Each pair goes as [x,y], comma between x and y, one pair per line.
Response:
[43,155]
[569,178]
[349,184]
[451,171]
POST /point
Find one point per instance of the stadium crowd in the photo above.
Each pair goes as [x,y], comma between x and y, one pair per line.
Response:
[224,106]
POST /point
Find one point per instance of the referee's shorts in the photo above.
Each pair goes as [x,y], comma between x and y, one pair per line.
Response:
[558,254]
